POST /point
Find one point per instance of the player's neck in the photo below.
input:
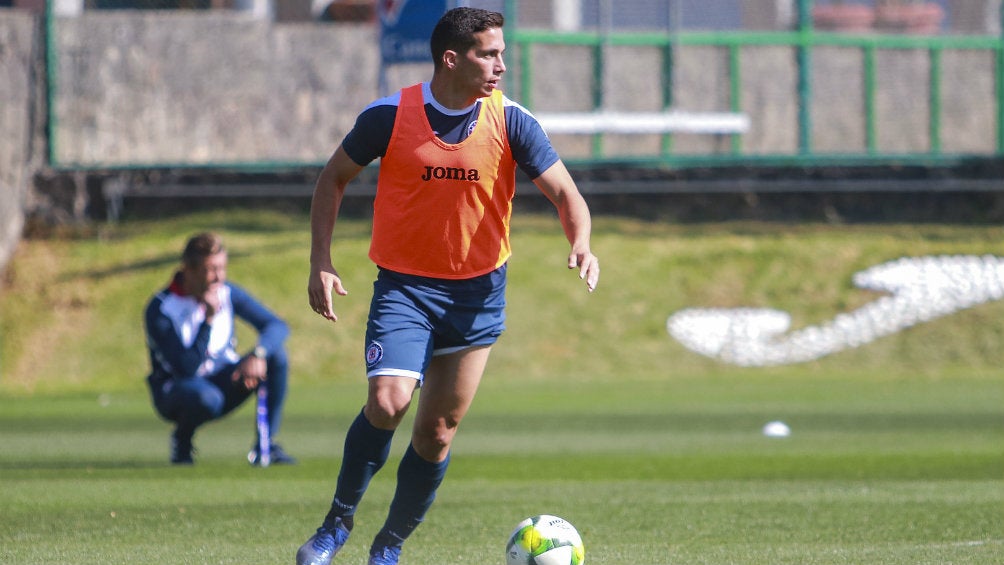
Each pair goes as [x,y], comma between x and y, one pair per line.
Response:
[449,97]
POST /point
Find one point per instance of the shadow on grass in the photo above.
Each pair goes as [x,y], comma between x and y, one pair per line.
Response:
[82,465]
[161,262]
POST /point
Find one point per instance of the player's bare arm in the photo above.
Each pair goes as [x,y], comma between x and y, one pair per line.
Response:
[557,184]
[327,199]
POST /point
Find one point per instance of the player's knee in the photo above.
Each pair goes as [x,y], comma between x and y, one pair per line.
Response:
[199,399]
[432,440]
[197,407]
[388,401]
[209,403]
[386,411]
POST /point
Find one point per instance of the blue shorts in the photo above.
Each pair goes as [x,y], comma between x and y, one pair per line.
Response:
[414,318]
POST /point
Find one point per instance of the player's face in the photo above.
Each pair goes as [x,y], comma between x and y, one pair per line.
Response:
[208,275]
[482,65]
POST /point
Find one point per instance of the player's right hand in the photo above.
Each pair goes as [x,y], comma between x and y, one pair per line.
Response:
[323,281]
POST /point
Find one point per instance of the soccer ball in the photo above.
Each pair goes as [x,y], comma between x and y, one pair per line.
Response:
[544,540]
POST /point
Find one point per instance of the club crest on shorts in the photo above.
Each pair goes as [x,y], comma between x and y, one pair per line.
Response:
[374,353]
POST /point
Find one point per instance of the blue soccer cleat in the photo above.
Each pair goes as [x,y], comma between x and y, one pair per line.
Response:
[385,555]
[323,545]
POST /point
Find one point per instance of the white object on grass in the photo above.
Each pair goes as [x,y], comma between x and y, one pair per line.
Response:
[776,429]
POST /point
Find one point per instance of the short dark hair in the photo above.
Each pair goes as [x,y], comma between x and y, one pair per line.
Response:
[455,30]
[200,246]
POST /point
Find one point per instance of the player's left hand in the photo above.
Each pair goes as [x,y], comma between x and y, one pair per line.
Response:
[588,265]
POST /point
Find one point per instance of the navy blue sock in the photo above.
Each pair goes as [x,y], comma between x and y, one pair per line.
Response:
[366,450]
[417,481]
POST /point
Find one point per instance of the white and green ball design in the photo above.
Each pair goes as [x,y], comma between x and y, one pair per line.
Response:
[545,540]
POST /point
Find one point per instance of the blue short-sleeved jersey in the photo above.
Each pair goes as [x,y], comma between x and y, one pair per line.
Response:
[368,140]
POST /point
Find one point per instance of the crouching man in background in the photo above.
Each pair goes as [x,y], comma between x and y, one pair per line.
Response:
[197,374]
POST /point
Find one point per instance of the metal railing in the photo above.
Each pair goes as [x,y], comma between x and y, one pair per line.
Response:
[804,40]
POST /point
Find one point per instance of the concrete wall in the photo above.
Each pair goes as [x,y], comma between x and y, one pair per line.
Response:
[206,88]
[20,123]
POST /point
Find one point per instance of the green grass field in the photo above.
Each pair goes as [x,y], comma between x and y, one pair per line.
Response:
[589,409]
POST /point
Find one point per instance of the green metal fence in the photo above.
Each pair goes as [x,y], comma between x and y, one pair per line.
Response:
[804,40]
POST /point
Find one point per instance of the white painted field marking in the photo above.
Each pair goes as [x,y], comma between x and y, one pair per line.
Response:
[920,289]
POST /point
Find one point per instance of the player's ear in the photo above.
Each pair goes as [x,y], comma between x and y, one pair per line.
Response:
[449,59]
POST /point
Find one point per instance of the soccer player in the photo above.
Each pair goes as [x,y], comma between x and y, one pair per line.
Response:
[449,151]
[197,375]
